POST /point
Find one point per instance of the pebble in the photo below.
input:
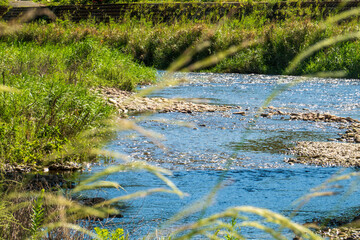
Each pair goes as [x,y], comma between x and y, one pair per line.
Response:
[326,154]
[239,113]
[308,116]
[112,101]
[129,102]
[352,134]
[341,233]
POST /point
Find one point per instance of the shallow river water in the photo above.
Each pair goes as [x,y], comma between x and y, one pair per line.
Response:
[198,154]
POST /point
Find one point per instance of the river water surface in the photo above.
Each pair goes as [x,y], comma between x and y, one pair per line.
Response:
[249,151]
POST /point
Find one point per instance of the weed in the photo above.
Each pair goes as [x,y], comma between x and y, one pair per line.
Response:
[43,117]
[37,216]
[105,234]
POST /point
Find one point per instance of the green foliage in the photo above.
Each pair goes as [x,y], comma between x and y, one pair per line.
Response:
[102,46]
[44,115]
[54,103]
[249,60]
[233,227]
[105,234]
[342,56]
[37,216]
[237,229]
[4,3]
[86,62]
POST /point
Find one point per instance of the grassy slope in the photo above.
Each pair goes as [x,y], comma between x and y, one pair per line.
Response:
[54,103]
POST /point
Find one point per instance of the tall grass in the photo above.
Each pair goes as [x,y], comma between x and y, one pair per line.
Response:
[44,117]
[53,103]
[159,44]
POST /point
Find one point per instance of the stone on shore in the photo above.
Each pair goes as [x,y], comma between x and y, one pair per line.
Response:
[308,116]
[326,154]
[128,102]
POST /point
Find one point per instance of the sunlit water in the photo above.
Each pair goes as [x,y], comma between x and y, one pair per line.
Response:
[253,151]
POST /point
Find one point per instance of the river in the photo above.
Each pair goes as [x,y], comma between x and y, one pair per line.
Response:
[256,148]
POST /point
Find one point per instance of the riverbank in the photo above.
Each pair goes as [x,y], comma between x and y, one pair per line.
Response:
[343,151]
[268,47]
[51,104]
[326,154]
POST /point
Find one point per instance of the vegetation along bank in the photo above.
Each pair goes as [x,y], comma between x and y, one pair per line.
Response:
[52,102]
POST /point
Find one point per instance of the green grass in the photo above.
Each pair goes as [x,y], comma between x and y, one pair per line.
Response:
[54,102]
[85,62]
[43,116]
[159,44]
